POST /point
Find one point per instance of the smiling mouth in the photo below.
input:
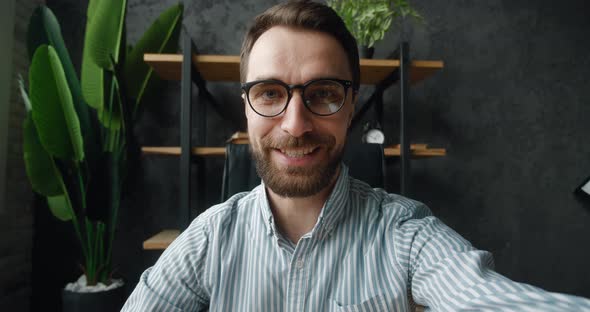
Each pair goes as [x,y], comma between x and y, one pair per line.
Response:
[299,152]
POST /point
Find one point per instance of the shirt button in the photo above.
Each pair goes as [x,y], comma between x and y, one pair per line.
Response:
[299,263]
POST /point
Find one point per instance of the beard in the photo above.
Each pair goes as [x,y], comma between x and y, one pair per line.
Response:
[296,181]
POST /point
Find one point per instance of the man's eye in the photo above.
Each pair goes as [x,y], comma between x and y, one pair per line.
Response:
[270,94]
[267,95]
[322,94]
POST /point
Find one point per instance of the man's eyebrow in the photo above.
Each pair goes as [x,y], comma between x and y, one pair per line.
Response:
[265,78]
[258,78]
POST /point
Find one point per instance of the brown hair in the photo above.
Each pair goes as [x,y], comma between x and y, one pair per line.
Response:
[307,15]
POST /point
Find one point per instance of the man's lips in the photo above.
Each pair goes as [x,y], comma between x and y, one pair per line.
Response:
[300,156]
[297,152]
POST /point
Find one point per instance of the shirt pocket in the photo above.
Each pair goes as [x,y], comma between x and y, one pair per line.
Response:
[373,304]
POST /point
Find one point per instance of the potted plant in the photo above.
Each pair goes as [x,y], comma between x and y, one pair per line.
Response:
[368,20]
[78,141]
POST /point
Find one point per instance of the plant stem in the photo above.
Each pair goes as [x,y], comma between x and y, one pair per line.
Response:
[104,266]
[90,270]
[81,186]
[72,211]
[116,186]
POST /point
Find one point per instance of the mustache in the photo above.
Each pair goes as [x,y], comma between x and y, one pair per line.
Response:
[306,140]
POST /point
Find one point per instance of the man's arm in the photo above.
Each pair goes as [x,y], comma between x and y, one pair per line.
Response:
[447,274]
[175,282]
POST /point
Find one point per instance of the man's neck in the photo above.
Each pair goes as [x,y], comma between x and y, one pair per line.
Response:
[296,216]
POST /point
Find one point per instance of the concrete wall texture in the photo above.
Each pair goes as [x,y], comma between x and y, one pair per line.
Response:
[16,213]
[510,106]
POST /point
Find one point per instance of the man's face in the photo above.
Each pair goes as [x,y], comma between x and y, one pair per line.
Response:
[298,153]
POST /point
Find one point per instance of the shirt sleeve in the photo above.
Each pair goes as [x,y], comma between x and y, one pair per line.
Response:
[175,282]
[445,273]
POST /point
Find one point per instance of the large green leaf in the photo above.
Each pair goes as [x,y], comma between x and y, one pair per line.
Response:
[52,106]
[96,59]
[44,29]
[60,207]
[38,163]
[110,117]
[105,30]
[44,176]
[92,75]
[92,80]
[161,37]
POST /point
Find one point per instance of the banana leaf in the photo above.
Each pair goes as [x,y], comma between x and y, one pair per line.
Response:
[44,29]
[53,108]
[38,163]
[105,31]
[110,117]
[92,75]
[161,37]
[95,81]
[92,80]
[43,174]
[59,207]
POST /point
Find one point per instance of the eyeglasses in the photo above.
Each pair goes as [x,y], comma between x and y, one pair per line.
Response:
[270,98]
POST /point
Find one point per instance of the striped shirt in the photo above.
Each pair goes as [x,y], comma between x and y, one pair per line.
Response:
[369,251]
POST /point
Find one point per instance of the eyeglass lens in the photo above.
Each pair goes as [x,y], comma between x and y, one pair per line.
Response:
[323,97]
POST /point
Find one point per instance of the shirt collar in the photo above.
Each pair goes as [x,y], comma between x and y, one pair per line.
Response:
[331,213]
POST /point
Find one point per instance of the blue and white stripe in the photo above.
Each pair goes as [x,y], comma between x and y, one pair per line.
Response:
[369,251]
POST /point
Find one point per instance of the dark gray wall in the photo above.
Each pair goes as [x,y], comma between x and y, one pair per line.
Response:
[510,106]
[16,215]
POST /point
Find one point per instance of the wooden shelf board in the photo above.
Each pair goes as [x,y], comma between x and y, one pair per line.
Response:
[418,150]
[161,240]
[227,67]
[175,150]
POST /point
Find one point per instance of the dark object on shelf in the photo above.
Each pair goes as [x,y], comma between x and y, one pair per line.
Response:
[373,133]
[366,163]
[111,300]
[367,52]
[239,171]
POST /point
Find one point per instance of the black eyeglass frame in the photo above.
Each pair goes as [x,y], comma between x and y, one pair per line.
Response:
[347,84]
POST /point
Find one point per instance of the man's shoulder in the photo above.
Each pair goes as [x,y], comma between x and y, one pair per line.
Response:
[391,206]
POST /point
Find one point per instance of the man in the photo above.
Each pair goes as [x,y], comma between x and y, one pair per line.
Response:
[311,238]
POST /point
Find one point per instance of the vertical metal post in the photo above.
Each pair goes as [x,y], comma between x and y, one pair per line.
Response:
[404,136]
[185,132]
[200,140]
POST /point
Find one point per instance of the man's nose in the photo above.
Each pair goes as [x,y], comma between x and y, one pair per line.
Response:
[296,119]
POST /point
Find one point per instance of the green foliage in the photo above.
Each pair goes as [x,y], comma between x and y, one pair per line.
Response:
[369,20]
[60,207]
[104,31]
[92,77]
[78,163]
[38,163]
[53,108]
[161,37]
[44,29]
[102,44]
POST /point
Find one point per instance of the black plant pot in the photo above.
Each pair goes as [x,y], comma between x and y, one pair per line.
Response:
[367,52]
[103,301]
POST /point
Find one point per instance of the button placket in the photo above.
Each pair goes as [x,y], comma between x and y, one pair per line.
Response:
[299,263]
[298,279]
